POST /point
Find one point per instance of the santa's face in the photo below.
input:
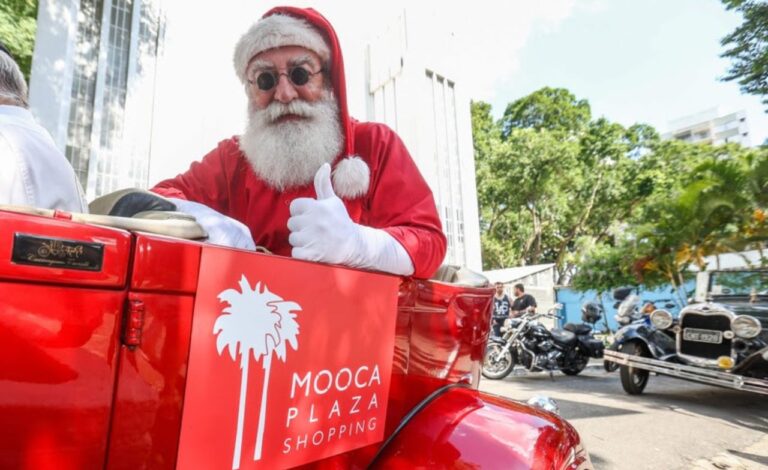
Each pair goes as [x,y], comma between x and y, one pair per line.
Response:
[279,64]
[293,122]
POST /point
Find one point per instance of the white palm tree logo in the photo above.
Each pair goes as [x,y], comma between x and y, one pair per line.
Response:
[257,321]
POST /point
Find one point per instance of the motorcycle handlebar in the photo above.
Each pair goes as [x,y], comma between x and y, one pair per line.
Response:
[549,314]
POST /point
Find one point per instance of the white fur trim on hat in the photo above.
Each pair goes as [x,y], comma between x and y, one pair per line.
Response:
[277,31]
[351,178]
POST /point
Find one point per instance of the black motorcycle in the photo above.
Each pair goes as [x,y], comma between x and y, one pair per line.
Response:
[527,342]
[630,312]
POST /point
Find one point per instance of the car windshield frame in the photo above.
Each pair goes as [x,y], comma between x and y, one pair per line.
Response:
[741,283]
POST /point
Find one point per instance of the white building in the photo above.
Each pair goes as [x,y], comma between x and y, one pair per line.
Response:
[92,87]
[412,87]
[711,127]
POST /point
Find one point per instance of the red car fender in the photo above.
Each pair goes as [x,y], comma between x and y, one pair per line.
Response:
[458,427]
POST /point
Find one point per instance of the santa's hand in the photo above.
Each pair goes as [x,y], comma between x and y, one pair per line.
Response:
[321,230]
[222,230]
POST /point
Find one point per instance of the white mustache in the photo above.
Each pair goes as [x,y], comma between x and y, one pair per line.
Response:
[275,110]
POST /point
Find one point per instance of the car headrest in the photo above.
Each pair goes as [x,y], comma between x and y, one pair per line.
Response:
[460,276]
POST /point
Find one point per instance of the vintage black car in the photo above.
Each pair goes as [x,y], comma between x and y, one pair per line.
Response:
[719,339]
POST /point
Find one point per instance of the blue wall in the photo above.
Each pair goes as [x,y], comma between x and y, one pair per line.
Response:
[573,300]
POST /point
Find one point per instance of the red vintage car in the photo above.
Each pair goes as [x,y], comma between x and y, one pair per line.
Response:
[122,348]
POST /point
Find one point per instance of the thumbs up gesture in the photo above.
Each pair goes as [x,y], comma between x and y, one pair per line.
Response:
[321,229]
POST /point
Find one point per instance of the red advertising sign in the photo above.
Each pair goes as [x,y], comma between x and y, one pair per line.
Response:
[290,361]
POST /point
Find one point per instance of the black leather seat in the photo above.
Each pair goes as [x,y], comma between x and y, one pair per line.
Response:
[130,202]
[563,337]
[578,328]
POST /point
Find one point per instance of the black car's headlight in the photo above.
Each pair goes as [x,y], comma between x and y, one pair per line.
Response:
[661,319]
[746,327]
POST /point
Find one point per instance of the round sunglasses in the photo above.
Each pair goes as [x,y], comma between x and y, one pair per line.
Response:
[298,75]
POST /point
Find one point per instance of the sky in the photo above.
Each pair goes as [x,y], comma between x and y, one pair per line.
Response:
[635,61]
[647,61]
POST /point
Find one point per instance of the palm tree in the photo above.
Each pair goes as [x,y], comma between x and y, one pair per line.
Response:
[260,322]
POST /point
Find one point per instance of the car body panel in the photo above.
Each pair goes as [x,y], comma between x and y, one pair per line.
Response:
[77,394]
[464,428]
[59,346]
[150,386]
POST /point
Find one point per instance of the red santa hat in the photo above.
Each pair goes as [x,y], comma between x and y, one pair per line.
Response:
[305,27]
[274,31]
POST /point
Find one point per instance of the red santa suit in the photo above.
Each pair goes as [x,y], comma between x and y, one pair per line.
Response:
[394,198]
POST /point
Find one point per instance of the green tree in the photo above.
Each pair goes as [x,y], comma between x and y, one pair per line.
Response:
[553,180]
[747,47]
[18,23]
[552,109]
[713,204]
[604,267]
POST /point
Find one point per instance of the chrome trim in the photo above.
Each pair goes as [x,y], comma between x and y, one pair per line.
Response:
[534,357]
[705,309]
[545,403]
[695,374]
[668,318]
[752,319]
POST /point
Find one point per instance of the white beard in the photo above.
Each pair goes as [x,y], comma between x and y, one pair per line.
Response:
[288,154]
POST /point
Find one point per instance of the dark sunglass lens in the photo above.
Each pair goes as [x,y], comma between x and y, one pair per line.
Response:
[299,76]
[265,81]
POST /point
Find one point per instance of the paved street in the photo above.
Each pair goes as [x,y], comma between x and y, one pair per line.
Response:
[673,425]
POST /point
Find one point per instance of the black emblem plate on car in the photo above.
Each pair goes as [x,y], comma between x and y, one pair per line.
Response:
[57,252]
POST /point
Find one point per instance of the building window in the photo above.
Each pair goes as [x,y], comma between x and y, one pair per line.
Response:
[441,100]
[125,37]
[86,58]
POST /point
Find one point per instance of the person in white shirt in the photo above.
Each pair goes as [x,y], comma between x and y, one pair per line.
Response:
[33,172]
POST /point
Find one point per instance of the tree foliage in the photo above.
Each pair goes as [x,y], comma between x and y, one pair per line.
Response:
[716,205]
[18,24]
[608,204]
[747,47]
[552,109]
[550,178]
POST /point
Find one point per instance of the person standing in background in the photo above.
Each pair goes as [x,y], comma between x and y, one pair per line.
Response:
[501,308]
[33,172]
[523,302]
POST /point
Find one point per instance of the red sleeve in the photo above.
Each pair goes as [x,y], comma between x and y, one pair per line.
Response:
[400,201]
[206,181]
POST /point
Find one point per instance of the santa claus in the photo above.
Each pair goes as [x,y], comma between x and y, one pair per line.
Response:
[305,179]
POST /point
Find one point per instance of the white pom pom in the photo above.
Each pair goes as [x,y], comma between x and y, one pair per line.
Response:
[351,178]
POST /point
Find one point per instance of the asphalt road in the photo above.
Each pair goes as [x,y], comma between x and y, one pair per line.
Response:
[674,425]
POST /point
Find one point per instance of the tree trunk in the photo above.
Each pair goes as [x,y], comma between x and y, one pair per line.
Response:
[674,278]
[684,293]
[241,414]
[577,229]
[537,236]
[263,406]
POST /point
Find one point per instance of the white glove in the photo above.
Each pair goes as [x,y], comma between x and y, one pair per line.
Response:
[222,230]
[321,230]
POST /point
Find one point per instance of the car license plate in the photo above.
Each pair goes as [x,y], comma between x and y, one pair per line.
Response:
[703,336]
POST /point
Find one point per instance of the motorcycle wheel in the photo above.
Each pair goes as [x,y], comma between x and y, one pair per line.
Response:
[576,368]
[497,364]
[610,366]
[634,380]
